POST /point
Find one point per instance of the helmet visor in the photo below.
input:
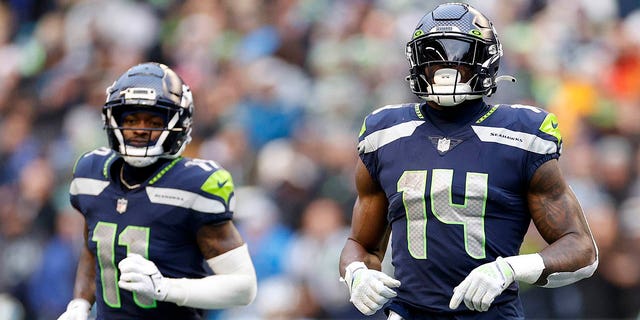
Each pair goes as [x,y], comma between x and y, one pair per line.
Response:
[448,49]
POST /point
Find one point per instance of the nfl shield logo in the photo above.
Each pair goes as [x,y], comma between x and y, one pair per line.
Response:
[121,205]
[444,144]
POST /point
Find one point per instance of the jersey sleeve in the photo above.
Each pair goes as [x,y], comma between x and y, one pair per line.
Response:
[218,199]
[366,148]
[382,127]
[89,175]
[549,140]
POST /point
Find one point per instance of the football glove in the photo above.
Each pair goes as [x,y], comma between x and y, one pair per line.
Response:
[369,289]
[77,309]
[483,285]
[141,276]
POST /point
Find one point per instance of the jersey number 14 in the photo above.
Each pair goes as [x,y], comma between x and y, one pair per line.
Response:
[470,215]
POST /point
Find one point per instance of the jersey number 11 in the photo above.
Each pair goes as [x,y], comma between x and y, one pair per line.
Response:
[136,239]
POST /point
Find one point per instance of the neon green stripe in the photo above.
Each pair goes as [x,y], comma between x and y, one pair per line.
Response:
[164,170]
[219,184]
[75,165]
[105,169]
[363,128]
[416,107]
[486,115]
[550,126]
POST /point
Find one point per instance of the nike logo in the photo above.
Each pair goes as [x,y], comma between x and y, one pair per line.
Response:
[221,184]
[554,125]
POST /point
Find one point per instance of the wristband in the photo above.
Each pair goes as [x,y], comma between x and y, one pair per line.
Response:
[526,268]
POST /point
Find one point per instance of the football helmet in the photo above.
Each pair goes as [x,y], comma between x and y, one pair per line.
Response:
[155,88]
[454,55]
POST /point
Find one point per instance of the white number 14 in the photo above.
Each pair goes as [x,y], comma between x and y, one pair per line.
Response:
[470,215]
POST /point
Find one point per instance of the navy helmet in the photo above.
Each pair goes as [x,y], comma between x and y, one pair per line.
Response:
[454,55]
[155,88]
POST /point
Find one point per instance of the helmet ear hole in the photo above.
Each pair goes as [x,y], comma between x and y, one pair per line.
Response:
[154,88]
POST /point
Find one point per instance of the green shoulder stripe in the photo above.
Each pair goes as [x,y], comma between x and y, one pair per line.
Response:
[550,126]
[105,168]
[75,165]
[486,115]
[363,128]
[219,184]
[164,170]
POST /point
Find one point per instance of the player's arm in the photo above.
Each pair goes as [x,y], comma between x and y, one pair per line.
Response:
[369,229]
[361,257]
[233,284]
[85,286]
[572,254]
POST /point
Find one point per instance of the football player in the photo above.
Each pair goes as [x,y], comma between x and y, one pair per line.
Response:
[458,182]
[155,221]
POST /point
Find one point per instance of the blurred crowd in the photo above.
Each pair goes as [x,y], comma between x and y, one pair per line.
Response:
[280,89]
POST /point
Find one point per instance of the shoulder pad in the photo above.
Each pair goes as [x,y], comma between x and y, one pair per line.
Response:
[204,176]
[388,116]
[219,183]
[94,164]
[388,124]
[527,127]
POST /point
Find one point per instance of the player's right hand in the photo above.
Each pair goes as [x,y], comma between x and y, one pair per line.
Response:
[483,285]
[77,309]
[369,289]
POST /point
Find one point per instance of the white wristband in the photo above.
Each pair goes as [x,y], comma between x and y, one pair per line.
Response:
[527,267]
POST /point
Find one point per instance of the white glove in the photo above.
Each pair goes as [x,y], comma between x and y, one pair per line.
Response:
[141,276]
[482,285]
[77,309]
[369,289]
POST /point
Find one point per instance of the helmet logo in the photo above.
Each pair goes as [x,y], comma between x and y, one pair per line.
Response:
[144,96]
[476,32]
[139,93]
[417,33]
[448,28]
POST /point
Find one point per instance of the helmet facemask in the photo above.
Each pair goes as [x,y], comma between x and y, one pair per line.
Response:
[140,154]
[451,68]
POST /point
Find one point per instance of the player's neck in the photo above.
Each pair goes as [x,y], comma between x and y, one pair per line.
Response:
[132,177]
[461,113]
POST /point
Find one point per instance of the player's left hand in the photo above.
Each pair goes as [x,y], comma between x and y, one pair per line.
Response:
[141,276]
[483,285]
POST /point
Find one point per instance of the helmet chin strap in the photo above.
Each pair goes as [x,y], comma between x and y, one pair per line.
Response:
[446,91]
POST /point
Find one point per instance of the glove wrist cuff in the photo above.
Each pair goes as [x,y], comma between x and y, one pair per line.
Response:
[526,268]
[350,271]
[79,303]
[178,293]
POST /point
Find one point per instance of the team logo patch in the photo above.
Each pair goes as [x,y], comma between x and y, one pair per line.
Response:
[121,205]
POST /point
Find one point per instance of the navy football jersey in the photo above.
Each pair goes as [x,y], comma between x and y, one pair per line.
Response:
[158,220]
[457,198]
